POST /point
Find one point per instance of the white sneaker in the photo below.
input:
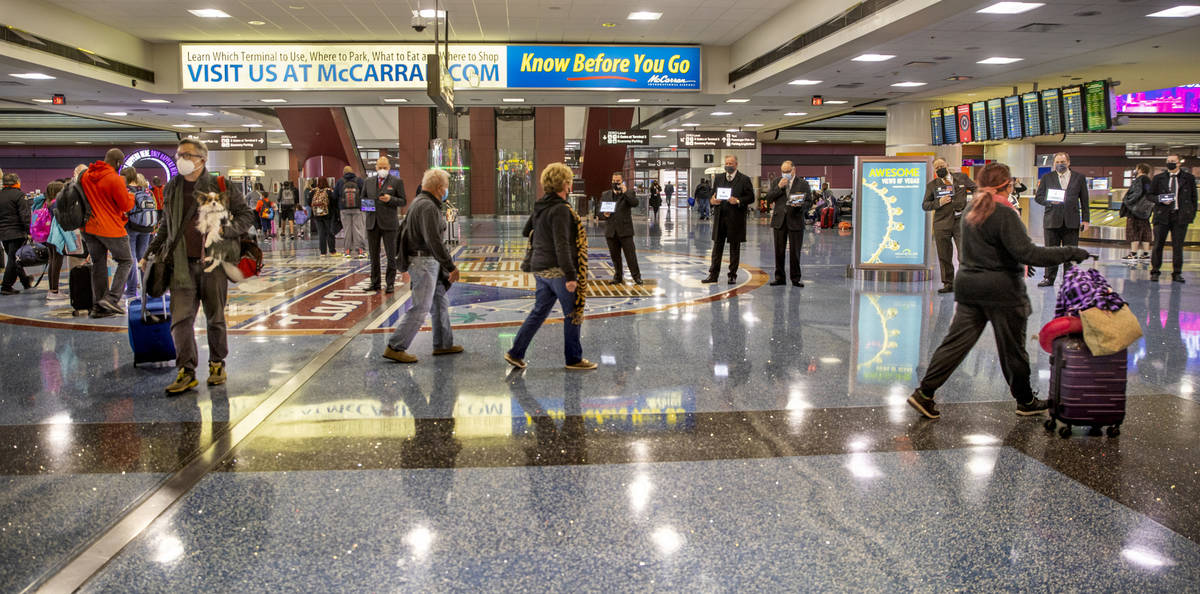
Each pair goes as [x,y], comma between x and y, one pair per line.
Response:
[57,296]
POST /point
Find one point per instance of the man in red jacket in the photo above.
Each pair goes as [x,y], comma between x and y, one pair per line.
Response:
[105,233]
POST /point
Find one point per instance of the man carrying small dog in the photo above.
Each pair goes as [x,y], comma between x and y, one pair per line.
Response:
[179,241]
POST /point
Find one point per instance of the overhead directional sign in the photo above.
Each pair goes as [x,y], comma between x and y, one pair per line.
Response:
[231,141]
[730,140]
[625,137]
[662,163]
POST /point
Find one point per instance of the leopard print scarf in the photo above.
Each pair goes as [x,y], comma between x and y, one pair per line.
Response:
[581,258]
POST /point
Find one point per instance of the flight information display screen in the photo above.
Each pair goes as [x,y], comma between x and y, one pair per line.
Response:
[1012,117]
[965,129]
[1031,105]
[979,120]
[950,125]
[935,127]
[1095,96]
[1072,103]
[1052,111]
[995,112]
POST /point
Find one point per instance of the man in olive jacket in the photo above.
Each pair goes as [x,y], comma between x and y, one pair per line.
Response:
[179,241]
[729,223]
[946,196]
[618,227]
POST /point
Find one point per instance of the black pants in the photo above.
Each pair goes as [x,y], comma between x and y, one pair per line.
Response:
[735,255]
[14,270]
[616,245]
[326,242]
[1008,325]
[1178,230]
[792,240]
[947,242]
[388,238]
[1056,237]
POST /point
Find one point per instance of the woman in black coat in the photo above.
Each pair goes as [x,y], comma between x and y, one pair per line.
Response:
[14,229]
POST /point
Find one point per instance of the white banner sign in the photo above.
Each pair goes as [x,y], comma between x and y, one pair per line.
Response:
[300,67]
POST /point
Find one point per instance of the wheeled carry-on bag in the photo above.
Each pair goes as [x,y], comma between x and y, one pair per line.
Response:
[150,329]
[828,217]
[80,289]
[1086,389]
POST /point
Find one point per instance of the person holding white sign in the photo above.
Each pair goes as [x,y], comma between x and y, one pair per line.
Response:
[1175,193]
[946,197]
[734,195]
[616,206]
[791,198]
[1064,195]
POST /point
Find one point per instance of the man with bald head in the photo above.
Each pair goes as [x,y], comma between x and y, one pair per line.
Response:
[383,197]
[104,233]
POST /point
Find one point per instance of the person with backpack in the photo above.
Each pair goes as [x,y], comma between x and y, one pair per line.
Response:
[143,221]
[265,209]
[254,195]
[179,242]
[104,233]
[14,230]
[703,193]
[288,200]
[1136,207]
[62,244]
[348,193]
[323,216]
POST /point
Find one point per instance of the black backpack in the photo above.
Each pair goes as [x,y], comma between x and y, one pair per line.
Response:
[71,209]
[350,195]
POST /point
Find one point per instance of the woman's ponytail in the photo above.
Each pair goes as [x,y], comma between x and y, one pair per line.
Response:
[993,177]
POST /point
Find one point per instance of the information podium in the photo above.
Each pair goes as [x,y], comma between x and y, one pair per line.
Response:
[892,233]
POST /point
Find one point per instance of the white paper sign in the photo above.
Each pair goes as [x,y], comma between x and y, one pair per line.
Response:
[724,193]
[1056,196]
[608,207]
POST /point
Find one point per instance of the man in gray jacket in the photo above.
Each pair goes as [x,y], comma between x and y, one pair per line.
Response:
[425,259]
[619,201]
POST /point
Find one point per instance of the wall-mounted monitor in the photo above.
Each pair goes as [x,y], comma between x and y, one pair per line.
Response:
[1012,117]
[1174,100]
[1052,111]
[995,112]
[1097,105]
[950,125]
[979,120]
[965,129]
[935,127]
[1072,105]
[1031,108]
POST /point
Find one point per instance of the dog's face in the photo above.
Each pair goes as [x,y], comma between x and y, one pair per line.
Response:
[210,199]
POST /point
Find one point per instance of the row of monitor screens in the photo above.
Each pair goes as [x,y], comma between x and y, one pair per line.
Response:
[1073,110]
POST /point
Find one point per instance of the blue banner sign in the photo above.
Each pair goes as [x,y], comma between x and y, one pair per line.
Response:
[600,67]
[892,227]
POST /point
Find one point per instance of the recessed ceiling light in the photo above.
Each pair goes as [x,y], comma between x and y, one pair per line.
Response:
[428,13]
[732,130]
[873,58]
[1011,7]
[999,60]
[199,114]
[43,101]
[142,142]
[659,136]
[395,100]
[628,100]
[216,131]
[1177,12]
[804,82]
[722,113]
[252,125]
[33,76]
[811,141]
[856,141]
[115,113]
[276,131]
[1087,143]
[513,99]
[792,114]
[909,83]
[644,15]
[83,142]
[689,125]
[256,23]
[752,125]
[15,142]
[273,100]
[835,102]
[210,13]
[675,130]
[295,7]
[737,100]
[183,125]
[608,25]
[155,101]
[286,145]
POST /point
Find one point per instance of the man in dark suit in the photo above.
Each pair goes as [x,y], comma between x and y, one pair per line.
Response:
[790,198]
[383,197]
[733,194]
[1064,194]
[1174,190]
[946,196]
[618,227]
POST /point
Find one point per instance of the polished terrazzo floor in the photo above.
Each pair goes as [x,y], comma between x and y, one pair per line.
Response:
[734,437]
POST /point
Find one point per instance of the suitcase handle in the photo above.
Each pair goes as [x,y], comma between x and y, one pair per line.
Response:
[142,294]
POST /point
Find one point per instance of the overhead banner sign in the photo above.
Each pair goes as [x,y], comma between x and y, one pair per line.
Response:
[625,137]
[231,141]
[662,163]
[356,67]
[891,230]
[726,140]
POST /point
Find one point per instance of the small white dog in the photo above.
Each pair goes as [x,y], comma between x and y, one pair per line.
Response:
[218,251]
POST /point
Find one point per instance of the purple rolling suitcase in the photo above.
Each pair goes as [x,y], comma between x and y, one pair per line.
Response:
[1086,389]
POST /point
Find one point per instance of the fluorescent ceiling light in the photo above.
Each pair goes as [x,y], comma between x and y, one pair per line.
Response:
[804,82]
[722,113]
[909,83]
[183,126]
[628,100]
[737,100]
[43,101]
[689,125]
[33,76]
[1011,7]
[644,15]
[656,136]
[83,142]
[732,130]
[792,114]
[513,99]
[115,113]
[810,141]
[216,131]
[395,100]
[199,114]
[856,141]
[277,131]
[210,13]
[142,142]
[273,100]
[429,12]
[1177,12]
[15,142]
[999,60]
[155,101]
[256,23]
[252,125]
[873,58]
[752,125]
[835,102]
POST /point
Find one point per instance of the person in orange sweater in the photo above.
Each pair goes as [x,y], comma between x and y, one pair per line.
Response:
[105,234]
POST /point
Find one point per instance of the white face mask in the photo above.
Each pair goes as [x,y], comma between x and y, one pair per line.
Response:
[382,172]
[186,167]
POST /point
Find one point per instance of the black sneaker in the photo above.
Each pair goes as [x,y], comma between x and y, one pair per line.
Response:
[923,404]
[1154,274]
[1036,406]
[9,291]
[1177,278]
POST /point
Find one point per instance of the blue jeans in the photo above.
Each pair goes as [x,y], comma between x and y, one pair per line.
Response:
[550,290]
[702,207]
[428,295]
[138,243]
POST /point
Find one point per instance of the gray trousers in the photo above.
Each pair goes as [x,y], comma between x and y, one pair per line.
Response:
[428,297]
[99,249]
[355,224]
[212,290]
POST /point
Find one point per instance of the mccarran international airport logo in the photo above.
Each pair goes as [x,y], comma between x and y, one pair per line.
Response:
[313,295]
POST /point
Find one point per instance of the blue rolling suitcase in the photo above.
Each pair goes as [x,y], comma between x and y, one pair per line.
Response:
[150,329]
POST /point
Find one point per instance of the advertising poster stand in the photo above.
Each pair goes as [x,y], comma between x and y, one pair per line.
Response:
[892,233]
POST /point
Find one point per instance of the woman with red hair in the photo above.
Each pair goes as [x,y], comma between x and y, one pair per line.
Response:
[990,287]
